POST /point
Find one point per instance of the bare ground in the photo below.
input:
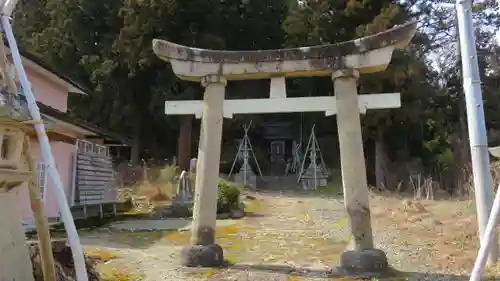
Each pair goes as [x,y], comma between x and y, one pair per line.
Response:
[300,237]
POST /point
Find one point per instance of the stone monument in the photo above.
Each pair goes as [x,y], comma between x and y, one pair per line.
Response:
[343,62]
[15,262]
[192,165]
[184,194]
[182,203]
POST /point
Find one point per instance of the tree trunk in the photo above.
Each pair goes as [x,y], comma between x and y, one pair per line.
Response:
[380,161]
[135,155]
[184,141]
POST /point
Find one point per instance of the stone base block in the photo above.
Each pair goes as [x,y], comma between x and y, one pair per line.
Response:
[366,262]
[202,256]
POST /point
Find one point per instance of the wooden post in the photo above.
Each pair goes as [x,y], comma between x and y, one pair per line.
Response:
[184,141]
[42,226]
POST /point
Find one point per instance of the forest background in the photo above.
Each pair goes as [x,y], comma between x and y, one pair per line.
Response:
[106,47]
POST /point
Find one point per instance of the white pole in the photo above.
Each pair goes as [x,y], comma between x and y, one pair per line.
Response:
[488,238]
[255,159]
[235,159]
[315,168]
[302,167]
[74,240]
[483,183]
[245,159]
[313,160]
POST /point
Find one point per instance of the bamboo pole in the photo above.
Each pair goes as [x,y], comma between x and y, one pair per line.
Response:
[42,226]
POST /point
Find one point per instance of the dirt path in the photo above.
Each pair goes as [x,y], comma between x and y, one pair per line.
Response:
[284,234]
[283,230]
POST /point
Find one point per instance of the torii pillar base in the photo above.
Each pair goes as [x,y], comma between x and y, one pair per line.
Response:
[202,256]
[366,263]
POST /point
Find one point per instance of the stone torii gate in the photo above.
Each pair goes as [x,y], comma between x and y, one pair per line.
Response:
[344,62]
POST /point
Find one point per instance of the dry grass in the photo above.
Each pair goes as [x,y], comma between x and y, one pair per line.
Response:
[254,206]
[155,191]
[161,187]
[445,229]
[493,273]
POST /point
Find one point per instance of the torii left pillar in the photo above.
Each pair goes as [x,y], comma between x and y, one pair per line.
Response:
[203,250]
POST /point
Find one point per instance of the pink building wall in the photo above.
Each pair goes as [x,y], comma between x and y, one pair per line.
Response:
[54,95]
[63,156]
[48,92]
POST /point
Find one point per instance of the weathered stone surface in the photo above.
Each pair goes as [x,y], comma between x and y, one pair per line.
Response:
[65,270]
[367,54]
[203,235]
[400,34]
[237,213]
[12,107]
[372,261]
[202,256]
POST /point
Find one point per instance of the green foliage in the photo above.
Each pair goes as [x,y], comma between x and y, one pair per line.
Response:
[107,47]
[228,197]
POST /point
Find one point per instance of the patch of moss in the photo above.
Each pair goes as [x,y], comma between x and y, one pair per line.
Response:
[242,243]
[234,239]
[116,275]
[204,274]
[101,255]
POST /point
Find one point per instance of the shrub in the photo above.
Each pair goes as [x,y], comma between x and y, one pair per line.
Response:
[228,196]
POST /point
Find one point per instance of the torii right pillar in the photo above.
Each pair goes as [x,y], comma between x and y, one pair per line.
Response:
[363,258]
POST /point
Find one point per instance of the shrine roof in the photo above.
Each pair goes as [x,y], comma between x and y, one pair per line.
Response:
[398,35]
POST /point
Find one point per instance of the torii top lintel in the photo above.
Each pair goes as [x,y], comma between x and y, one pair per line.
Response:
[367,54]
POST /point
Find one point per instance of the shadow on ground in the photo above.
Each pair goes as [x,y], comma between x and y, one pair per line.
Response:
[254,215]
[338,273]
[123,240]
[300,193]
